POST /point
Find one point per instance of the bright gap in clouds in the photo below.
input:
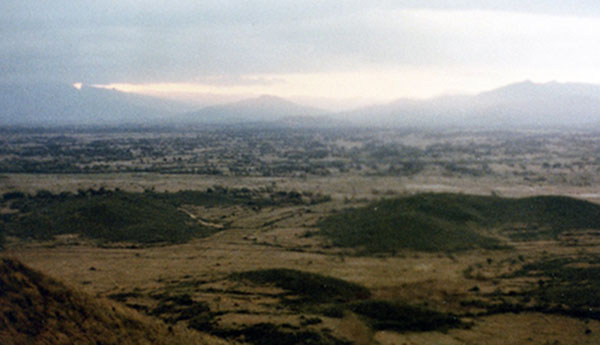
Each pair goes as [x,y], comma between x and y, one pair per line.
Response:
[362,86]
[449,52]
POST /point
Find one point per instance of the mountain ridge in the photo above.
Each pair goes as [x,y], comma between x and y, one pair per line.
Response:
[264,108]
[522,104]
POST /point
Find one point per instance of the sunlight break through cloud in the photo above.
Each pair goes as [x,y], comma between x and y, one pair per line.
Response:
[418,54]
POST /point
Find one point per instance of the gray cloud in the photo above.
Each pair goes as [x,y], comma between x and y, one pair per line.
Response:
[151,41]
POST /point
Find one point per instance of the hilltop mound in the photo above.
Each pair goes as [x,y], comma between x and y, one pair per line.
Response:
[109,216]
[452,222]
[118,216]
[35,309]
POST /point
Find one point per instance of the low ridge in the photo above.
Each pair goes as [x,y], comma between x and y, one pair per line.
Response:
[454,222]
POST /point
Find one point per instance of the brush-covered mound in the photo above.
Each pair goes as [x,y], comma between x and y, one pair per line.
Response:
[35,309]
[335,298]
[119,216]
[454,222]
[110,216]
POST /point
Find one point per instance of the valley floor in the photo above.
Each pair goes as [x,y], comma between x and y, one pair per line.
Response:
[282,237]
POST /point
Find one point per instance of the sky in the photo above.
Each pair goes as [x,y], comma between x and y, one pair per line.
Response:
[328,53]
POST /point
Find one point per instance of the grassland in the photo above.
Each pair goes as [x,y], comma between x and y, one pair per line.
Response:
[254,264]
[316,298]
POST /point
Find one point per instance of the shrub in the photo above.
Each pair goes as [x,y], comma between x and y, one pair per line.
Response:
[385,315]
[309,287]
[270,334]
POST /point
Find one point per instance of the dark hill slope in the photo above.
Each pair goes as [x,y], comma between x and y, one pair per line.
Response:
[451,222]
[109,216]
[35,309]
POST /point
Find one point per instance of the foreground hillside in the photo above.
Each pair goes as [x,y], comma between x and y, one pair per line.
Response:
[35,309]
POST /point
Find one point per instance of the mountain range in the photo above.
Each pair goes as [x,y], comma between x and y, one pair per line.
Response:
[516,105]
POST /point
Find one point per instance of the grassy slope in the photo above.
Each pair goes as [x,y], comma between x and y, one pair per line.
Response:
[35,309]
[114,216]
[133,217]
[452,222]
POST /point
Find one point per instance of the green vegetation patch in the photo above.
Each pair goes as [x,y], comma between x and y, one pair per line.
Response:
[307,287]
[261,197]
[557,285]
[111,216]
[333,297]
[180,307]
[2,231]
[270,334]
[385,315]
[571,285]
[119,216]
[454,222]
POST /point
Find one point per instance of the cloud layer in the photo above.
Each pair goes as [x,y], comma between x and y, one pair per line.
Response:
[241,43]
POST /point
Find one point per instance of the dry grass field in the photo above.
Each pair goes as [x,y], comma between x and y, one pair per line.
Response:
[268,275]
[152,279]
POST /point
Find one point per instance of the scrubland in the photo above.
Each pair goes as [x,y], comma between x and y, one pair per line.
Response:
[438,238]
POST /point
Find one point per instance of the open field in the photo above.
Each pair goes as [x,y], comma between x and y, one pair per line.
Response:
[566,157]
[269,275]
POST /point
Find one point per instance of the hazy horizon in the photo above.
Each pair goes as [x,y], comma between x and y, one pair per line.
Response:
[328,54]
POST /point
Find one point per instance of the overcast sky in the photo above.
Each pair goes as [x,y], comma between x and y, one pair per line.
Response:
[327,49]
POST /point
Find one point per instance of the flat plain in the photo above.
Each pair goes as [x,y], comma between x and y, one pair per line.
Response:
[263,270]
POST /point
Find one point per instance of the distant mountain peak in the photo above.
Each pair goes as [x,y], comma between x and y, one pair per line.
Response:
[270,97]
[265,100]
[264,108]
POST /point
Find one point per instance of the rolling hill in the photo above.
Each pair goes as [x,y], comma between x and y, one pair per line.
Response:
[455,222]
